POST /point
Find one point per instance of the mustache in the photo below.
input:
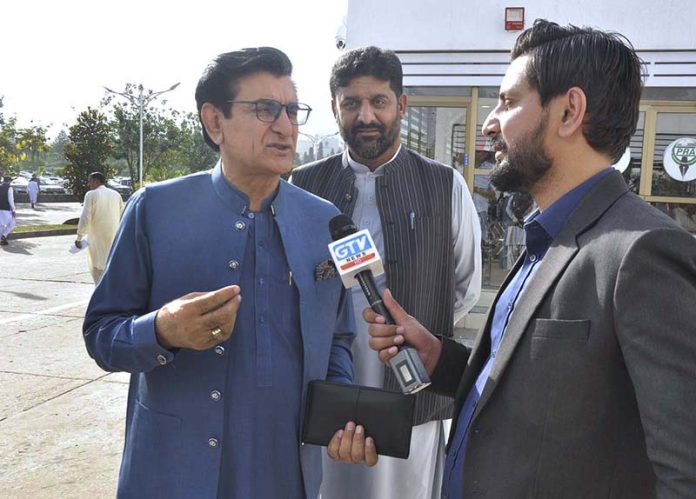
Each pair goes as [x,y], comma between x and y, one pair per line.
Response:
[497,144]
[371,126]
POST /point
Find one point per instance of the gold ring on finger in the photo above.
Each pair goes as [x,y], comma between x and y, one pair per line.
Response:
[217,334]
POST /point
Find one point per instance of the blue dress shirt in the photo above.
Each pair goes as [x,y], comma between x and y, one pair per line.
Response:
[540,231]
[264,375]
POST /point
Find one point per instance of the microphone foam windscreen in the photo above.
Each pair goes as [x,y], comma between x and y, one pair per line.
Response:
[341,226]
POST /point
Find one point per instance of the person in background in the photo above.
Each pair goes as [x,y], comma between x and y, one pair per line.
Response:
[424,224]
[685,215]
[33,190]
[101,213]
[519,205]
[8,212]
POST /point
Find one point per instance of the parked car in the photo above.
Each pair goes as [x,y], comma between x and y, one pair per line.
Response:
[124,181]
[20,184]
[49,186]
[123,190]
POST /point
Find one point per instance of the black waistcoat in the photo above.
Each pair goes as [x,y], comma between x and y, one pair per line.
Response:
[4,201]
[419,260]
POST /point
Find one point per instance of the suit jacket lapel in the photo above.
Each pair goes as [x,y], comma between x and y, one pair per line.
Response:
[560,253]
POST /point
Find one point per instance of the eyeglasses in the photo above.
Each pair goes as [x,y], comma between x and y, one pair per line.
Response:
[268,110]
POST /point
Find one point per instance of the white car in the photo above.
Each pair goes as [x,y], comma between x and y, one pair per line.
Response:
[49,186]
[19,184]
[123,190]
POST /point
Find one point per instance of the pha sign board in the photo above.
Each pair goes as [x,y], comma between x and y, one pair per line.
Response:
[353,254]
[679,159]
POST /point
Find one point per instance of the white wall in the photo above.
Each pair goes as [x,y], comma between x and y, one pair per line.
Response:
[479,24]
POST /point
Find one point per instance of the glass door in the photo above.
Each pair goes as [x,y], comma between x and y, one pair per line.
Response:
[437,132]
[670,170]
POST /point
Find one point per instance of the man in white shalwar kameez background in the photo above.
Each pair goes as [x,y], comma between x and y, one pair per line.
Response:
[424,224]
[7,210]
[33,191]
[99,220]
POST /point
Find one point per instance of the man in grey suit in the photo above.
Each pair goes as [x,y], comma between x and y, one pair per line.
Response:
[582,382]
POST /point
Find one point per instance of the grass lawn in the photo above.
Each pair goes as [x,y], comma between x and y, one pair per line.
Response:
[23,229]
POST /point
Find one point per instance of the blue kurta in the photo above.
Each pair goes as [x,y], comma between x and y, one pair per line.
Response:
[264,374]
[225,419]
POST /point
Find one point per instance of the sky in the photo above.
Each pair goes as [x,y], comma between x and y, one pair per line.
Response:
[56,56]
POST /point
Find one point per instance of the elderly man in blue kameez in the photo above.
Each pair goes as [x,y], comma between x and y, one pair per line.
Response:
[211,301]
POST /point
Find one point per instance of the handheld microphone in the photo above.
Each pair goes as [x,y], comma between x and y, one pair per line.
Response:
[357,261]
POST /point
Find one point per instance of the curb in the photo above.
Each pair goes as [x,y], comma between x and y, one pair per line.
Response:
[42,233]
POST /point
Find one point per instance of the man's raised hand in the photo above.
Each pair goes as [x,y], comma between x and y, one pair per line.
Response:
[189,321]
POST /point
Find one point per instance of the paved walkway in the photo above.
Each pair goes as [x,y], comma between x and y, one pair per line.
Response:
[47,213]
[61,417]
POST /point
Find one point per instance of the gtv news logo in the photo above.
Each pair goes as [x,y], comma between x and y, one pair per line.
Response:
[355,250]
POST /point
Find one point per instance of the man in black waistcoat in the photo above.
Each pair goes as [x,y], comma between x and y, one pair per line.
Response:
[424,223]
[7,210]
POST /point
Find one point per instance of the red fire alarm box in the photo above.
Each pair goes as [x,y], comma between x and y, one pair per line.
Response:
[514,18]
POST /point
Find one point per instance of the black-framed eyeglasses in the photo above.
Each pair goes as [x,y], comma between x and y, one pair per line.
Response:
[268,110]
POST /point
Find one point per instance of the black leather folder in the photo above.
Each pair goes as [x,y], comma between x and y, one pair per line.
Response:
[386,416]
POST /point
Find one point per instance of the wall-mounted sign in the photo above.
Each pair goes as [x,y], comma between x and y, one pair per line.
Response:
[625,160]
[680,159]
[514,18]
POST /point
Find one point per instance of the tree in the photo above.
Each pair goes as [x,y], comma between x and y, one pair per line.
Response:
[308,156]
[32,142]
[172,141]
[58,144]
[57,149]
[193,154]
[9,154]
[18,144]
[90,145]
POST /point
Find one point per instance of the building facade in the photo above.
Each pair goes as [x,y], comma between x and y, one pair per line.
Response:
[454,56]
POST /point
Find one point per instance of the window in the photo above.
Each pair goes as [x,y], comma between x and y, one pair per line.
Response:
[674,158]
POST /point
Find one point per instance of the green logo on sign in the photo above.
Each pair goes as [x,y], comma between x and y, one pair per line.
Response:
[684,154]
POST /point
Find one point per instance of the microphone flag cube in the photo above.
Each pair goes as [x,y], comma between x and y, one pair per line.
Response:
[353,254]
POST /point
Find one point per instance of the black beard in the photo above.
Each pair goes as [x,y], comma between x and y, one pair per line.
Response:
[521,168]
[373,147]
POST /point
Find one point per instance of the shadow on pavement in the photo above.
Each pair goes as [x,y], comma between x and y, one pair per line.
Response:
[29,219]
[19,246]
[46,207]
[28,296]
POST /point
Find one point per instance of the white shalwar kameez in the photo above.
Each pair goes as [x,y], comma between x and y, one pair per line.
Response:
[419,476]
[7,221]
[33,191]
[101,214]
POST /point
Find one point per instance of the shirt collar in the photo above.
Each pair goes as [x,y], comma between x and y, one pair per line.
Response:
[233,197]
[554,217]
[361,168]
[541,228]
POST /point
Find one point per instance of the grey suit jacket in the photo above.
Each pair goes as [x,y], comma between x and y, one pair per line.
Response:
[593,392]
